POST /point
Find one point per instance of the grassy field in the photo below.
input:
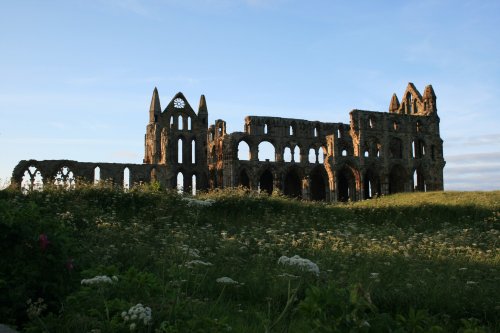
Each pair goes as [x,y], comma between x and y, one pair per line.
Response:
[101,260]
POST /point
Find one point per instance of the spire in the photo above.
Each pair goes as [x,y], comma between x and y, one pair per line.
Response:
[429,92]
[394,106]
[155,108]
[429,100]
[203,105]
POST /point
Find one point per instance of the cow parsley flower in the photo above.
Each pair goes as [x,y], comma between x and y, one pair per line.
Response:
[193,263]
[99,279]
[194,253]
[139,313]
[226,280]
[302,263]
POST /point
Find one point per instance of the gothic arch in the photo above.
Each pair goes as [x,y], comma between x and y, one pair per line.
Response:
[292,182]
[318,183]
[371,183]
[397,179]
[266,181]
[347,181]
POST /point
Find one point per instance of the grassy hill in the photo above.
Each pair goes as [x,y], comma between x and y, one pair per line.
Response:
[81,260]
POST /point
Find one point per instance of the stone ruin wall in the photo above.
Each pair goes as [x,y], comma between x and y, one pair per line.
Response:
[377,153]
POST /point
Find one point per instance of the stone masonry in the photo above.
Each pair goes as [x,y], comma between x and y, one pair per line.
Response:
[377,153]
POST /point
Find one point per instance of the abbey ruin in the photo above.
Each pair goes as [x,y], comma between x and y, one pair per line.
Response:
[377,153]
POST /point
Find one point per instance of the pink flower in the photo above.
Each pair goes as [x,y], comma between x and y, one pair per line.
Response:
[44,241]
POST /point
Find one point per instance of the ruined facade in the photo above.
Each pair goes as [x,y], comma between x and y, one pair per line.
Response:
[376,153]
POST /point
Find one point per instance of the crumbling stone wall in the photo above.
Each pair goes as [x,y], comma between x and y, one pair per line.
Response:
[376,153]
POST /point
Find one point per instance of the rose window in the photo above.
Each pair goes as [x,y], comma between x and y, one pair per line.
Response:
[179,103]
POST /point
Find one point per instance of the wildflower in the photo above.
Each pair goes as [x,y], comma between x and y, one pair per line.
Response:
[193,263]
[138,312]
[44,241]
[35,308]
[98,279]
[194,253]
[374,275]
[302,263]
[226,280]
[288,276]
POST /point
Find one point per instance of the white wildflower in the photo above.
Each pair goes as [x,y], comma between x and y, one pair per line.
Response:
[288,276]
[194,253]
[99,279]
[138,312]
[302,263]
[196,262]
[226,280]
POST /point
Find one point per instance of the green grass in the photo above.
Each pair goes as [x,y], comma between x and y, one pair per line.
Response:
[413,262]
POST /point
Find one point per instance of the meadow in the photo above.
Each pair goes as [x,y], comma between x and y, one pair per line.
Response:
[98,259]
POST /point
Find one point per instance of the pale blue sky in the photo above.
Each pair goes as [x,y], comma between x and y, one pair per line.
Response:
[76,76]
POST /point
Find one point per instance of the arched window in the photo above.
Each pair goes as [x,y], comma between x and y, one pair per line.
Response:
[126,179]
[291,132]
[193,152]
[396,148]
[189,123]
[296,154]
[321,154]
[97,175]
[180,123]
[312,155]
[395,125]
[265,129]
[316,132]
[243,151]
[344,152]
[419,126]
[179,151]
[371,122]
[193,184]
[32,180]
[171,121]
[267,152]
[287,154]
[367,154]
[65,178]
[180,182]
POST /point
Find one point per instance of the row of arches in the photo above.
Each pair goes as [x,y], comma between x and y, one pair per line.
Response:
[186,154]
[291,182]
[184,185]
[349,184]
[183,123]
[33,179]
[266,152]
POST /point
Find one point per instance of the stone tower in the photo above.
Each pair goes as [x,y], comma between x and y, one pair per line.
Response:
[175,142]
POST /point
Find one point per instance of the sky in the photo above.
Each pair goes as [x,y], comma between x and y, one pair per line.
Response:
[76,76]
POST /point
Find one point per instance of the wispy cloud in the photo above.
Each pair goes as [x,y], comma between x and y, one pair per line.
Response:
[472,171]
